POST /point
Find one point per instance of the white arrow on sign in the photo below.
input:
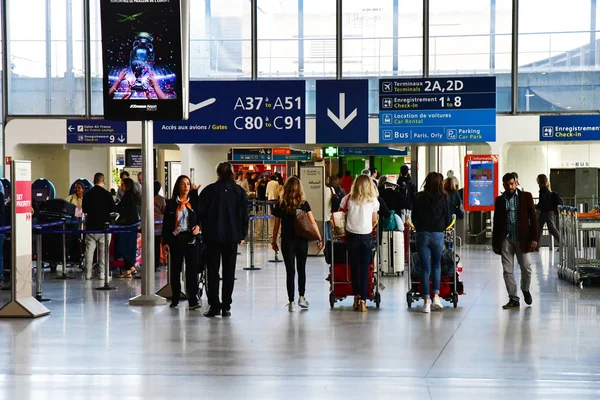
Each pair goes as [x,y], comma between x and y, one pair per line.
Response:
[121,139]
[342,120]
[70,128]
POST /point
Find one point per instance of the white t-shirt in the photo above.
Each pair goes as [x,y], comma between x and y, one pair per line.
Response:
[273,190]
[359,218]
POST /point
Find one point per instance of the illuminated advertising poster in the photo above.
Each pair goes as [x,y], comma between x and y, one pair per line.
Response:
[481,186]
[142,61]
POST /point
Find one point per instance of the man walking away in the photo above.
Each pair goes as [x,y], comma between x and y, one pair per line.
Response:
[545,209]
[406,187]
[97,206]
[224,220]
[515,232]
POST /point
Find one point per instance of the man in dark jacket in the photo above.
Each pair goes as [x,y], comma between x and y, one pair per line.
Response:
[97,206]
[223,208]
[545,209]
[515,232]
[406,187]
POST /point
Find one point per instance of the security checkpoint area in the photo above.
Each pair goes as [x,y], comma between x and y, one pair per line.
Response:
[302,199]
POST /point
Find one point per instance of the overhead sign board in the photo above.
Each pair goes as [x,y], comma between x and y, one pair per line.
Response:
[94,131]
[562,128]
[372,151]
[243,112]
[252,154]
[481,182]
[343,111]
[142,60]
[268,155]
[440,110]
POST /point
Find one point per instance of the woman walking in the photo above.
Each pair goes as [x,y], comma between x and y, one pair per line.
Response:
[293,247]
[181,225]
[430,216]
[126,243]
[361,206]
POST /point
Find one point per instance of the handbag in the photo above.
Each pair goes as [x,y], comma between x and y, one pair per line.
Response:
[304,228]
[338,218]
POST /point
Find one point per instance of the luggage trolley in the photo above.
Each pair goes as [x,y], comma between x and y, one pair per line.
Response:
[579,248]
[340,280]
[450,286]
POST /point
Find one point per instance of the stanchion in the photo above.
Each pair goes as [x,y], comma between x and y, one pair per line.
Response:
[250,251]
[39,267]
[64,275]
[106,261]
[276,259]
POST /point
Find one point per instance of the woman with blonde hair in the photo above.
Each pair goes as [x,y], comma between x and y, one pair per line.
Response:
[293,247]
[361,206]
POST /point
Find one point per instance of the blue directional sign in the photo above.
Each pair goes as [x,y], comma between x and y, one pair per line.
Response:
[457,109]
[558,128]
[252,154]
[342,111]
[243,112]
[96,131]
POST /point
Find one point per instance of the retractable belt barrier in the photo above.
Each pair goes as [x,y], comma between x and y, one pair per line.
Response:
[250,249]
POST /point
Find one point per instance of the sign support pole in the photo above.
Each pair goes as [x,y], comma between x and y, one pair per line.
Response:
[147,298]
[22,303]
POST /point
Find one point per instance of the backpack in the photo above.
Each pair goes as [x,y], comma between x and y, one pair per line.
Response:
[336,200]
[405,192]
[389,223]
[556,200]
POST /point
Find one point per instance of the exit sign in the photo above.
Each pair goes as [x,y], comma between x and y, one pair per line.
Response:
[331,151]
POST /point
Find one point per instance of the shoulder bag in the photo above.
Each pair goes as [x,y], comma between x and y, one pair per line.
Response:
[338,218]
[304,228]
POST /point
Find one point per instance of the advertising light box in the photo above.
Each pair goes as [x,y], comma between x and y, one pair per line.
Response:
[481,182]
[142,60]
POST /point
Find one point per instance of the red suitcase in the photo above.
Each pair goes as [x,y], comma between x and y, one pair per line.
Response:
[342,286]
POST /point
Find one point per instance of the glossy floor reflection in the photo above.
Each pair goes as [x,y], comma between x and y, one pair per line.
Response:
[94,345]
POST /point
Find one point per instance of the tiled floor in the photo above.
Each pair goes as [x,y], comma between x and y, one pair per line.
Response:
[94,345]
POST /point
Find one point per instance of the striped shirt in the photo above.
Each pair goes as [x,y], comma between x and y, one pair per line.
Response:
[512,217]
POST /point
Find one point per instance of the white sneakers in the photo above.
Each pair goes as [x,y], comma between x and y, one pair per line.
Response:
[435,305]
[426,308]
[291,307]
[302,302]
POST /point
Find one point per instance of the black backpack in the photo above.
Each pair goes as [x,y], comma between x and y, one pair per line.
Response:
[336,200]
[405,192]
[556,200]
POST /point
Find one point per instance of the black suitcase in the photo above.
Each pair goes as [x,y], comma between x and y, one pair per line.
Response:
[58,207]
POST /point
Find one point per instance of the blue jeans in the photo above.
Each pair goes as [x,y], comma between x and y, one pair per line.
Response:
[430,246]
[2,258]
[360,252]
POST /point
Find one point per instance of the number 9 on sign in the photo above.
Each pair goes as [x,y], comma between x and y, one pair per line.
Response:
[287,123]
[112,138]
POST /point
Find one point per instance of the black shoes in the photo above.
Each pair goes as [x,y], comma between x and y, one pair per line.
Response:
[511,304]
[195,307]
[527,297]
[174,305]
[212,312]
[226,313]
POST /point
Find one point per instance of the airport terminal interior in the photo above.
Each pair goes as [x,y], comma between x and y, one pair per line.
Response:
[489,109]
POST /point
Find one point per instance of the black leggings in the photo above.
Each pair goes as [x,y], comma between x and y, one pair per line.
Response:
[295,252]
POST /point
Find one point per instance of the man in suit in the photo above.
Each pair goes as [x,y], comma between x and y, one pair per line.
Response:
[515,232]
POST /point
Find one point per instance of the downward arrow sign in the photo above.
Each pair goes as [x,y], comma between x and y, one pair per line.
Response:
[342,121]
[121,139]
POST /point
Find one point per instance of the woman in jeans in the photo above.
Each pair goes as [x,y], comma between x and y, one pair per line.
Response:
[430,216]
[361,206]
[294,248]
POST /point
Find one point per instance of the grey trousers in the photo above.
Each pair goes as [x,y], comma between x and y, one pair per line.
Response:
[509,250]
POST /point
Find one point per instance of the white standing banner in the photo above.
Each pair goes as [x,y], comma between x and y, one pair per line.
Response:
[313,181]
[22,303]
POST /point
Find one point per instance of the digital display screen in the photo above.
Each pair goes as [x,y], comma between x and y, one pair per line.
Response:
[133,158]
[482,191]
[142,61]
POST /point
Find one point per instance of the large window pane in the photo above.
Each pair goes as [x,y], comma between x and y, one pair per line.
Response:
[96,57]
[558,56]
[220,39]
[382,38]
[47,72]
[472,37]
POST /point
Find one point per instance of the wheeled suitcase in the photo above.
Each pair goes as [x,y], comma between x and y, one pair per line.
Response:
[392,253]
[341,278]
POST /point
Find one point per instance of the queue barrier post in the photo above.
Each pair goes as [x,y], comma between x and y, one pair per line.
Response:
[64,275]
[106,286]
[250,249]
[39,267]
[167,290]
